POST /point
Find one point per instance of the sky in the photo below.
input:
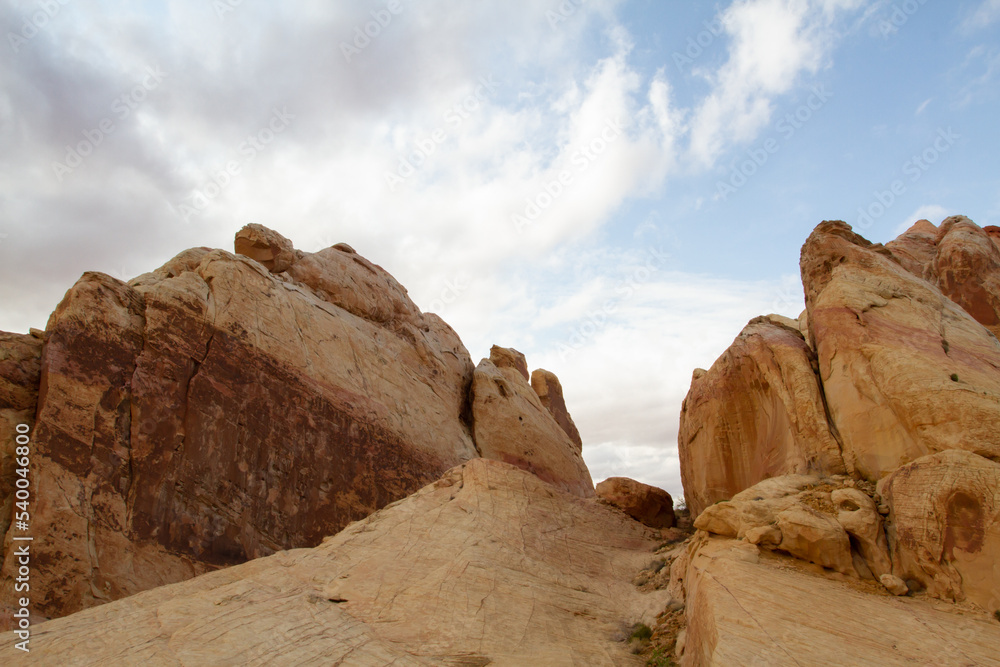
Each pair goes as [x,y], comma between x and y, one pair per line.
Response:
[613,188]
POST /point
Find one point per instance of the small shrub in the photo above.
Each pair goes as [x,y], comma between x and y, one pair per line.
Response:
[944,344]
[660,658]
[641,631]
[954,377]
[997,614]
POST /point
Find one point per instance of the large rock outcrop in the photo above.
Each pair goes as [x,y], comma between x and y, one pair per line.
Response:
[905,371]
[757,413]
[488,565]
[215,411]
[510,424]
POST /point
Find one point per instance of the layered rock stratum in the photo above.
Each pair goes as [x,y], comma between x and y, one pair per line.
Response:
[228,406]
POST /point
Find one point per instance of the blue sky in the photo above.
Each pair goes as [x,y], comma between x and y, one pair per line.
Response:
[613,187]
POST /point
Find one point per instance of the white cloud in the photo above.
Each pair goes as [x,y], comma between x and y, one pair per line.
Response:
[984,16]
[773,43]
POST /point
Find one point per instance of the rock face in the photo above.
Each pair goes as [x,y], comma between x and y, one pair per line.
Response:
[511,425]
[550,392]
[905,371]
[215,411]
[944,527]
[488,565]
[770,611]
[967,269]
[644,503]
[20,369]
[757,413]
[908,387]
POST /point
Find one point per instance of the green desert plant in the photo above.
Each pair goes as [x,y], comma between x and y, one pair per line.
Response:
[954,377]
[641,631]
[660,658]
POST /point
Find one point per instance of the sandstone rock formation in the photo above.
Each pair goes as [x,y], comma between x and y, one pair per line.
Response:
[488,565]
[213,411]
[224,407]
[266,246]
[644,503]
[511,425]
[757,413]
[905,371]
[20,368]
[966,267]
[944,525]
[909,376]
[550,392]
[915,248]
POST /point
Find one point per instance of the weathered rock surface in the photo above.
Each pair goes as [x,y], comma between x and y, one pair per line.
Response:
[915,248]
[488,565]
[214,411]
[266,246]
[757,413]
[793,513]
[772,612]
[966,267]
[644,503]
[944,525]
[508,357]
[20,370]
[550,392]
[511,425]
[905,371]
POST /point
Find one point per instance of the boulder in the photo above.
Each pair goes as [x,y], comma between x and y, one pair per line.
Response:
[757,413]
[212,412]
[488,565]
[508,357]
[511,425]
[550,393]
[781,513]
[647,504]
[944,525]
[905,371]
[966,267]
[266,246]
[857,513]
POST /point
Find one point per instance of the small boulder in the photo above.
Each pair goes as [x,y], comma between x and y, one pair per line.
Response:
[644,503]
[266,246]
